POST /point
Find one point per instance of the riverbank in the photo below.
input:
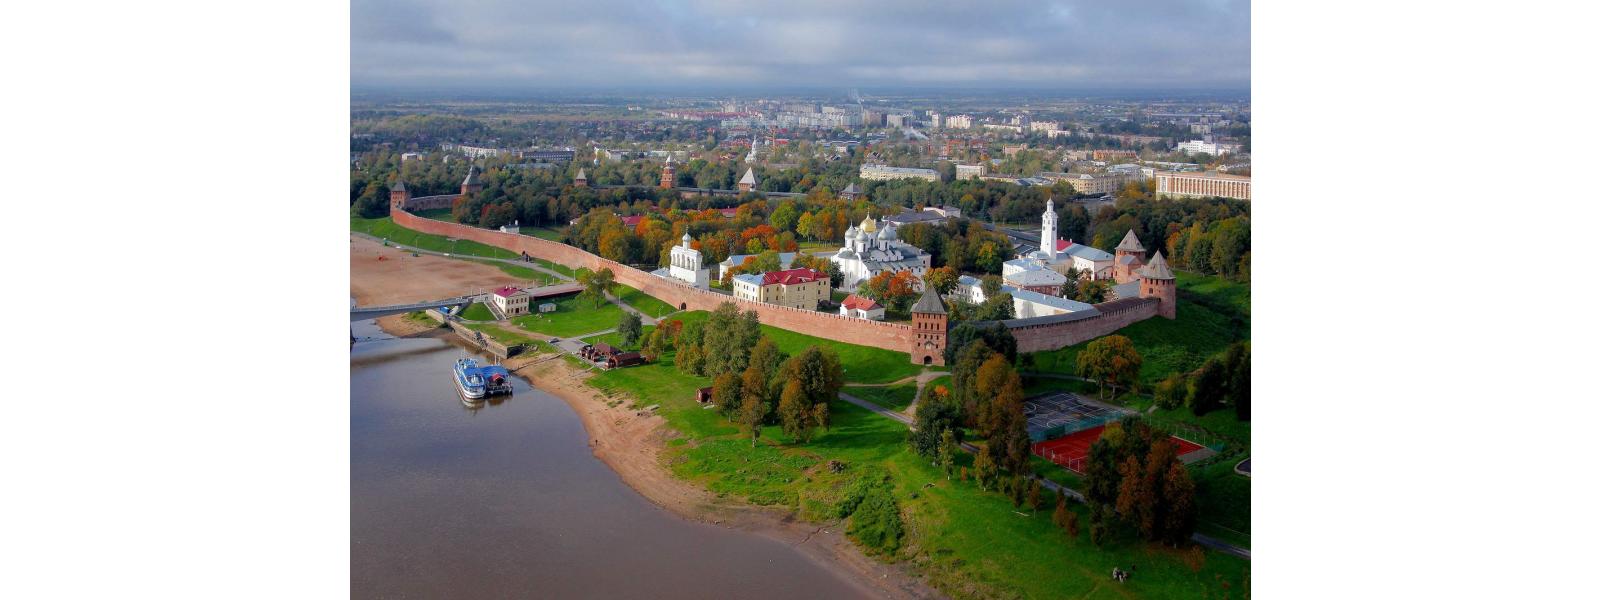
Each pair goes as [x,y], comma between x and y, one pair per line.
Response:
[401,278]
[630,441]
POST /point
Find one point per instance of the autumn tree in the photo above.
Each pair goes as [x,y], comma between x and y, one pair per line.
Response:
[1110,361]
[937,414]
[895,290]
[948,446]
[752,413]
[1172,391]
[726,394]
[941,279]
[984,468]
[815,377]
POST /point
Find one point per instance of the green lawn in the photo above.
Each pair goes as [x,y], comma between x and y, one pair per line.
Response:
[384,227]
[477,311]
[646,303]
[544,233]
[969,543]
[437,214]
[1212,313]
[893,397]
[573,316]
[861,364]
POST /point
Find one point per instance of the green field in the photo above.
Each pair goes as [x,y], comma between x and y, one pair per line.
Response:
[437,214]
[1212,313]
[573,316]
[477,311]
[861,364]
[892,397]
[543,233]
[645,303]
[968,542]
[384,227]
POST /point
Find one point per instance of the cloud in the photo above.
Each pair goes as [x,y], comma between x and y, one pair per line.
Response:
[499,44]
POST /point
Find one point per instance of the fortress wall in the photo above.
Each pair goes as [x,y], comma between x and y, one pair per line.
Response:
[1114,315]
[889,336]
[431,202]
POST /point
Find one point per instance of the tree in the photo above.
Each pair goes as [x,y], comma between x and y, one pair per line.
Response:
[1172,391]
[785,217]
[936,415]
[752,412]
[630,328]
[1094,291]
[1237,364]
[948,446]
[1207,388]
[994,336]
[998,307]
[795,411]
[1035,494]
[596,284]
[726,390]
[814,377]
[984,468]
[990,284]
[941,279]
[1110,361]
[895,290]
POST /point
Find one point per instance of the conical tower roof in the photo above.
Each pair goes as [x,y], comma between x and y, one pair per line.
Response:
[749,176]
[399,186]
[580,174]
[1130,243]
[929,303]
[851,189]
[1157,269]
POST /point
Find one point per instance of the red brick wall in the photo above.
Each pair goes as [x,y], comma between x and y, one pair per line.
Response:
[1114,315]
[431,202]
[890,336]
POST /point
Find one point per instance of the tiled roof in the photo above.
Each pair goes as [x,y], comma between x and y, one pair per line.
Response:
[854,302]
[506,292]
[1157,269]
[749,176]
[929,303]
[1130,243]
[792,276]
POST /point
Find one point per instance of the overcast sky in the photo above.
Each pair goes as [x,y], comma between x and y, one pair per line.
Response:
[876,44]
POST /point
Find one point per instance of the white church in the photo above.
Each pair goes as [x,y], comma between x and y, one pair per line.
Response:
[1060,255]
[869,251]
[686,265]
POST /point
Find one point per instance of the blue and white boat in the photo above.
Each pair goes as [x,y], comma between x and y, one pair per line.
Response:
[476,382]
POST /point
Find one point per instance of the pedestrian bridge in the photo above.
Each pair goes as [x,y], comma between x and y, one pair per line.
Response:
[362,313]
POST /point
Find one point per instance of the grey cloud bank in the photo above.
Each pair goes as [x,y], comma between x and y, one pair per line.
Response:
[504,44]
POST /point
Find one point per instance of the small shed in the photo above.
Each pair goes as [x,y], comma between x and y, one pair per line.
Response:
[547,307]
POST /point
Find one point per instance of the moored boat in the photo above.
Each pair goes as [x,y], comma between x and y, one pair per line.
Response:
[476,382]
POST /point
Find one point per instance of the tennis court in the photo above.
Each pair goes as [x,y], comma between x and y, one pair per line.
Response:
[1071,450]
[1061,413]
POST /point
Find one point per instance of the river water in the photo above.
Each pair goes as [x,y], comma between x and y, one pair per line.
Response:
[507,501]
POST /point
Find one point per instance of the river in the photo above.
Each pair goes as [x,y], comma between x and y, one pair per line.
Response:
[507,501]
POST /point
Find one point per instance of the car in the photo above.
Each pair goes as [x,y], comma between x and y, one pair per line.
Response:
[447,254]
[555,340]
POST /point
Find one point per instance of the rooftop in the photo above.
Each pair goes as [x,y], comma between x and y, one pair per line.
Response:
[792,276]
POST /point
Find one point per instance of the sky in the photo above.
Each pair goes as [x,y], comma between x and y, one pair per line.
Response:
[872,45]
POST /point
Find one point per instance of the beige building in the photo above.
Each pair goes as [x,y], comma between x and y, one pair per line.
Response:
[883,173]
[796,288]
[1210,183]
[510,301]
[1091,183]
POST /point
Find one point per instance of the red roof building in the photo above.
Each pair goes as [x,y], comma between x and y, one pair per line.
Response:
[861,308]
[792,276]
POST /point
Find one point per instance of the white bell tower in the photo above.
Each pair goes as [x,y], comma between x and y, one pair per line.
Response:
[1047,231]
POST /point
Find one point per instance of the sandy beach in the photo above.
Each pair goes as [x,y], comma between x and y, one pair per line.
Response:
[631,442]
[400,278]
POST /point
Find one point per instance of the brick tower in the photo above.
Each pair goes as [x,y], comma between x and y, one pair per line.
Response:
[582,180]
[1156,281]
[669,177]
[929,323]
[398,195]
[471,185]
[1130,256]
[748,182]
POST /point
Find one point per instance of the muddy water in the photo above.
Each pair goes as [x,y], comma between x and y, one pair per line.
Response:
[505,500]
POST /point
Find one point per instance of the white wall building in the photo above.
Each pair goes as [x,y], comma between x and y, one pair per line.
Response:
[869,251]
[687,265]
[884,172]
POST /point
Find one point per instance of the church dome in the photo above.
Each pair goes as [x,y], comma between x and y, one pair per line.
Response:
[845,254]
[868,225]
[888,233]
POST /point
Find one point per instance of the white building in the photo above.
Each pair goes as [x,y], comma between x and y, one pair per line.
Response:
[510,301]
[1024,304]
[1060,255]
[884,172]
[959,122]
[514,227]
[869,251]
[966,171]
[857,307]
[1212,148]
[1030,274]
[687,265]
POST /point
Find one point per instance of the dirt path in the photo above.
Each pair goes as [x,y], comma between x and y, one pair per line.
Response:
[401,278]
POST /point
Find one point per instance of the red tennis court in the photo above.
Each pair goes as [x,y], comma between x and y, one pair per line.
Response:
[1070,450]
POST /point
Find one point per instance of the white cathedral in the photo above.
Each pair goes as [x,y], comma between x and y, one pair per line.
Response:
[687,265]
[869,251]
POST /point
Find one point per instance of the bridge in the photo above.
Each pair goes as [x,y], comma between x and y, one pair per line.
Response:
[361,313]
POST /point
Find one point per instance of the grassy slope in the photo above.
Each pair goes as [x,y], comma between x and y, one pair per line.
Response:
[477,311]
[614,339]
[1212,313]
[385,228]
[894,397]
[960,534]
[861,364]
[646,303]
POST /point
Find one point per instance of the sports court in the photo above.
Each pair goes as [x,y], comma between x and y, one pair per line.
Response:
[1075,424]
